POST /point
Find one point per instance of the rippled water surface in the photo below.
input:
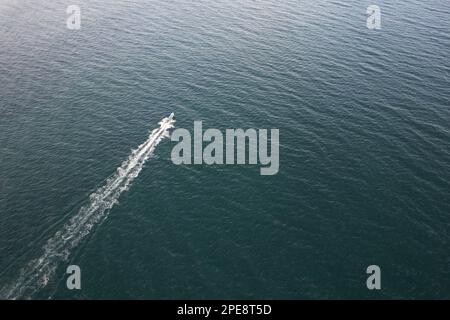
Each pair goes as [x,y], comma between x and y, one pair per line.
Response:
[364,158]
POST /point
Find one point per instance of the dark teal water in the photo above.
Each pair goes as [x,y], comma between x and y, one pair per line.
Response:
[364,157]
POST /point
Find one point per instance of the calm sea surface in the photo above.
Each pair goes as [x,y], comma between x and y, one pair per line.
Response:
[364,120]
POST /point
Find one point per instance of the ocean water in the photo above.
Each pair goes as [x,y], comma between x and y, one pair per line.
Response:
[364,149]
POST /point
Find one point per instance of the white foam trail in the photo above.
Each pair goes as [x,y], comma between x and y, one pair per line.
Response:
[38,272]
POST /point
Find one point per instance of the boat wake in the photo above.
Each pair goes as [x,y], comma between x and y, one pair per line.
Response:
[37,273]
